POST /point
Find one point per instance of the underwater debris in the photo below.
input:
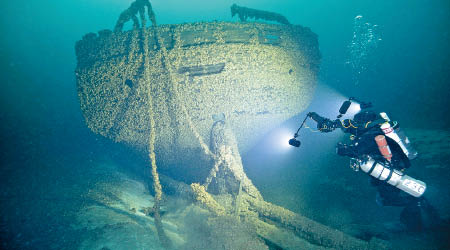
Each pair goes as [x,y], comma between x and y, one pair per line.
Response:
[165,242]
[206,199]
[228,176]
[136,7]
[244,13]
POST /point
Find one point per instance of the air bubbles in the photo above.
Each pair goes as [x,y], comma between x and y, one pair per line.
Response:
[363,46]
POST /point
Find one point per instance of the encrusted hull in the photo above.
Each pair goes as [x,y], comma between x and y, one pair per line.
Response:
[252,75]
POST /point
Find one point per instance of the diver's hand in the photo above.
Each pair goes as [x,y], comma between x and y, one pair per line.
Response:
[316,117]
[323,124]
[326,125]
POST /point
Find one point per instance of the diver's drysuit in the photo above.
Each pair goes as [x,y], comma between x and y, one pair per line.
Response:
[364,128]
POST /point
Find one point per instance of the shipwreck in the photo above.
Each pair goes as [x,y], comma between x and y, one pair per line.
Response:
[193,97]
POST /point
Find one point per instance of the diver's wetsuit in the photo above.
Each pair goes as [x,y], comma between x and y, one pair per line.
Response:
[364,127]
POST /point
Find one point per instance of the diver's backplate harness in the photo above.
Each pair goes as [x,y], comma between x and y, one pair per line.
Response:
[377,126]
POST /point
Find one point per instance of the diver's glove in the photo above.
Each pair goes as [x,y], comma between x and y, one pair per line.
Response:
[323,124]
[326,125]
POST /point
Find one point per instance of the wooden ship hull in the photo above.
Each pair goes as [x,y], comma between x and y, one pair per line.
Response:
[252,75]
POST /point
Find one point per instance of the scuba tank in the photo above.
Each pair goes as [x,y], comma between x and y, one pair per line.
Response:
[393,131]
[383,147]
[392,176]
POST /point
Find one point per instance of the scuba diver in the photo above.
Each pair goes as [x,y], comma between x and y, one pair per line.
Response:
[379,148]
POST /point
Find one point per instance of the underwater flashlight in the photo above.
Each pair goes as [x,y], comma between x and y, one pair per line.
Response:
[358,105]
[345,107]
[294,142]
[363,105]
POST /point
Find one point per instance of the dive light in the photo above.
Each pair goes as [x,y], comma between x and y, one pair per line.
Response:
[294,142]
[346,104]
